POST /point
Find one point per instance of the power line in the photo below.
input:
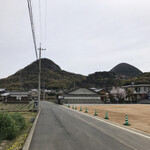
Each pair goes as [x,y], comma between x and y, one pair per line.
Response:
[34,39]
[40,21]
[32,26]
[45,21]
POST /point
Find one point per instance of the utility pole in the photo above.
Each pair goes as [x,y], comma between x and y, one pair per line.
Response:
[44,92]
[39,84]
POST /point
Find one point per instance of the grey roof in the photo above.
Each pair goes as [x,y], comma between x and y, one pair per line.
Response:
[137,85]
[34,90]
[5,94]
[3,89]
[82,92]
[19,93]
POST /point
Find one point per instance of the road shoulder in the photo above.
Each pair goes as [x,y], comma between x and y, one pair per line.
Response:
[29,138]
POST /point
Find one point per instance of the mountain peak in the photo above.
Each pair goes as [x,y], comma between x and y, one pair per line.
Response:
[49,64]
[46,64]
[126,70]
[52,77]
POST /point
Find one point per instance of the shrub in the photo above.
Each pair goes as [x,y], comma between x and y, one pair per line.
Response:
[10,125]
[8,128]
[20,121]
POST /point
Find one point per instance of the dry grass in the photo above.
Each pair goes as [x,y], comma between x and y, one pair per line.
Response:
[138,115]
[4,107]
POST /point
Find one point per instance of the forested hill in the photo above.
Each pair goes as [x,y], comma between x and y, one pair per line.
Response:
[126,70]
[51,77]
[140,79]
[102,80]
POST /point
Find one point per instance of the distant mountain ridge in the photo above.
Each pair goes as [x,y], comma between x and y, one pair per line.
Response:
[53,77]
[143,78]
[126,70]
[102,80]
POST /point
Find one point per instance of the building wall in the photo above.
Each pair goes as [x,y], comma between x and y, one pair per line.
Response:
[140,91]
[14,99]
[81,101]
[81,97]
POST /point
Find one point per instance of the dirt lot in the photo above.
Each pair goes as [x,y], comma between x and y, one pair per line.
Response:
[138,115]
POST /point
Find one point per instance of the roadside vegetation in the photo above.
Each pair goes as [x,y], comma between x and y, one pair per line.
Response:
[15,123]
[4,107]
[10,125]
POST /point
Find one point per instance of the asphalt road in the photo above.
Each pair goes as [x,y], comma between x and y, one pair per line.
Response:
[59,128]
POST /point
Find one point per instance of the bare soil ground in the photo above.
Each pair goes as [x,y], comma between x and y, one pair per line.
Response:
[138,115]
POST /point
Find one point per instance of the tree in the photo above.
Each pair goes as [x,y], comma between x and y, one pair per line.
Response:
[130,95]
[118,94]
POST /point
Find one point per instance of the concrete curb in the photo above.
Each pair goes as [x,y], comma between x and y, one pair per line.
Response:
[29,138]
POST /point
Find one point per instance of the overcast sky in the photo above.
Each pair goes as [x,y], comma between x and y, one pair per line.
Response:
[83,36]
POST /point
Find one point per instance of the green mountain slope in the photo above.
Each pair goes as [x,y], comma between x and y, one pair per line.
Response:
[140,79]
[126,70]
[51,77]
[102,80]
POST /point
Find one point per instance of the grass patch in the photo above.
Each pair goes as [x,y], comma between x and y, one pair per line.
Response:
[18,142]
[16,107]
[24,110]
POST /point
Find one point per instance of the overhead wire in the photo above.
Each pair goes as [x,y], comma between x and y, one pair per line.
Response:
[40,21]
[45,22]
[42,37]
[32,26]
[34,39]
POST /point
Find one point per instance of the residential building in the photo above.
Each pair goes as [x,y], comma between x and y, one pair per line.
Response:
[2,90]
[141,91]
[80,95]
[16,97]
[34,94]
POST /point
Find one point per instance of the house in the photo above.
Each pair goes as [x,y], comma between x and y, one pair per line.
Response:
[103,93]
[140,91]
[2,90]
[80,95]
[16,97]
[4,96]
[34,94]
